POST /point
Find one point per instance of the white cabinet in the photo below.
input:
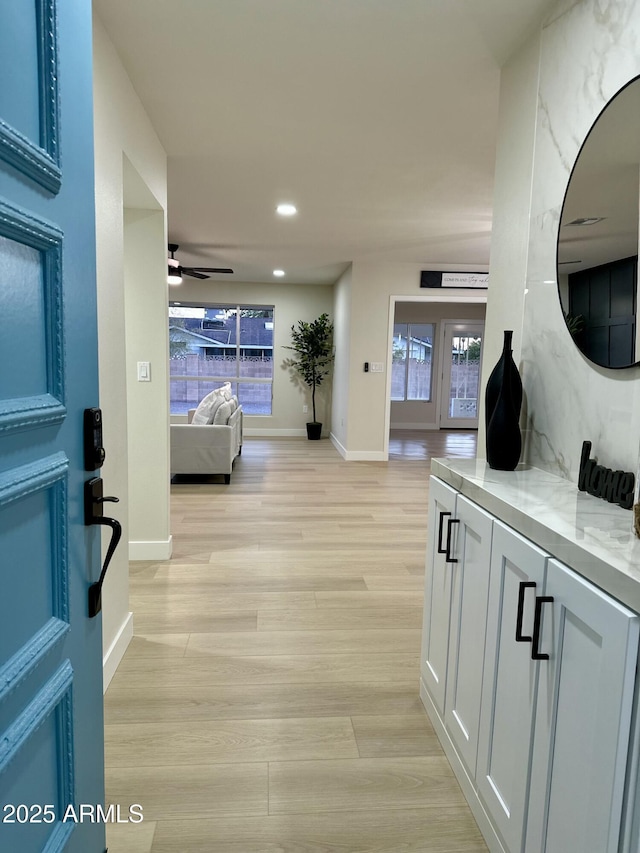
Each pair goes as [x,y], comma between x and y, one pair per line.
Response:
[470,553]
[535,685]
[509,683]
[583,717]
[437,596]
[455,613]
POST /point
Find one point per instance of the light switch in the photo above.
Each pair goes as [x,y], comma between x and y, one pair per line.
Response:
[377,367]
[144,371]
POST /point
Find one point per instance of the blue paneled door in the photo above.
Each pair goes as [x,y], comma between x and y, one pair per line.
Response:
[51,722]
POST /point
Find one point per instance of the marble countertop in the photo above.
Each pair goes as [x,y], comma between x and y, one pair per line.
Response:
[591,536]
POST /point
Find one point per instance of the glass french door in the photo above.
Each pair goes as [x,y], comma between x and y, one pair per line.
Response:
[462,357]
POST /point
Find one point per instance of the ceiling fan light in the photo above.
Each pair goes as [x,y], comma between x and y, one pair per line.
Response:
[174,274]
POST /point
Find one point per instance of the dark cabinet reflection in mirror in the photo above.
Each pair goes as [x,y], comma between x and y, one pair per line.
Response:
[597,260]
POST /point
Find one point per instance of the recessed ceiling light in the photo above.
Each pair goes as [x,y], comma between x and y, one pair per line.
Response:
[286,209]
[586,220]
[278,273]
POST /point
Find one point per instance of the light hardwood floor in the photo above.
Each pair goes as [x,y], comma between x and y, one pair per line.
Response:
[269,699]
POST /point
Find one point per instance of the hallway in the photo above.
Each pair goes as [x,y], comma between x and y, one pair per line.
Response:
[269,698]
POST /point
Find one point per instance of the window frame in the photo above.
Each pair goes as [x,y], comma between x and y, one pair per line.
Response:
[237,379]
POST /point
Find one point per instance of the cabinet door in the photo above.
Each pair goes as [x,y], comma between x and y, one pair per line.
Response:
[469,592]
[509,684]
[583,716]
[437,593]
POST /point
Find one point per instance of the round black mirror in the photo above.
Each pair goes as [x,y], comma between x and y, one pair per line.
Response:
[597,260]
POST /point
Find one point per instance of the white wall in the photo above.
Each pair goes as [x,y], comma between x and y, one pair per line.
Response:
[511,206]
[341,340]
[145,274]
[372,287]
[418,414]
[291,303]
[588,51]
[121,128]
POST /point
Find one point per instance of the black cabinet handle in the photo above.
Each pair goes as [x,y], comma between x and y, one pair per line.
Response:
[524,586]
[443,515]
[536,654]
[450,523]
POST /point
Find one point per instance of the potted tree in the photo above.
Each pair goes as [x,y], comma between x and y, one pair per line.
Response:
[312,344]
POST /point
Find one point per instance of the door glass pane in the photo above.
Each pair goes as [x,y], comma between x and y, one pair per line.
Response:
[465,376]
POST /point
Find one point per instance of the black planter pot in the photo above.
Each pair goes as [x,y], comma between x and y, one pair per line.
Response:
[503,400]
[314,430]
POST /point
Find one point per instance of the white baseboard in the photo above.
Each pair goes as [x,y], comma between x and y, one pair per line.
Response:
[257,432]
[116,650]
[367,456]
[342,450]
[414,426]
[358,455]
[159,550]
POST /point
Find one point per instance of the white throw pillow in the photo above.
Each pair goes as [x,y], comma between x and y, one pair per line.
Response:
[225,390]
[206,410]
[233,402]
[222,414]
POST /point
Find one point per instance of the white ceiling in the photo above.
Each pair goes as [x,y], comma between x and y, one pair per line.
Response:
[377,118]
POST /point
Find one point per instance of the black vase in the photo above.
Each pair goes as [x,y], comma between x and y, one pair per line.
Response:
[504,442]
[494,383]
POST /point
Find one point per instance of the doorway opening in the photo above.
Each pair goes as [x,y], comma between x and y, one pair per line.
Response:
[435,347]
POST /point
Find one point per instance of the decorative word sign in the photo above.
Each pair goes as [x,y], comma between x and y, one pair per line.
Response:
[431,278]
[613,486]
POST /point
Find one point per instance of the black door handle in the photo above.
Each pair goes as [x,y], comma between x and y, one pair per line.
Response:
[443,515]
[524,586]
[536,654]
[450,523]
[93,514]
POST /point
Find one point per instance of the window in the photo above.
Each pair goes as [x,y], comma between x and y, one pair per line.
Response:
[411,362]
[215,344]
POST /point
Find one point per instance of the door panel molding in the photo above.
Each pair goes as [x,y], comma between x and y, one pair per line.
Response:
[49,473]
[22,664]
[53,693]
[42,409]
[53,698]
[39,159]
[18,482]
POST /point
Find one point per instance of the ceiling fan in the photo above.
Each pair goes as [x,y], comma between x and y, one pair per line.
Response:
[176,270]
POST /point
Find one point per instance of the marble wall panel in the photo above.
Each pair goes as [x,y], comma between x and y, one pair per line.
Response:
[589,50]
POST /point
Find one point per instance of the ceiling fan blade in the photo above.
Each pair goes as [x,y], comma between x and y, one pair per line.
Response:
[212,269]
[192,273]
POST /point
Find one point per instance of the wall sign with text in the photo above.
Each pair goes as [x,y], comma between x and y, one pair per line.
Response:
[476,280]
